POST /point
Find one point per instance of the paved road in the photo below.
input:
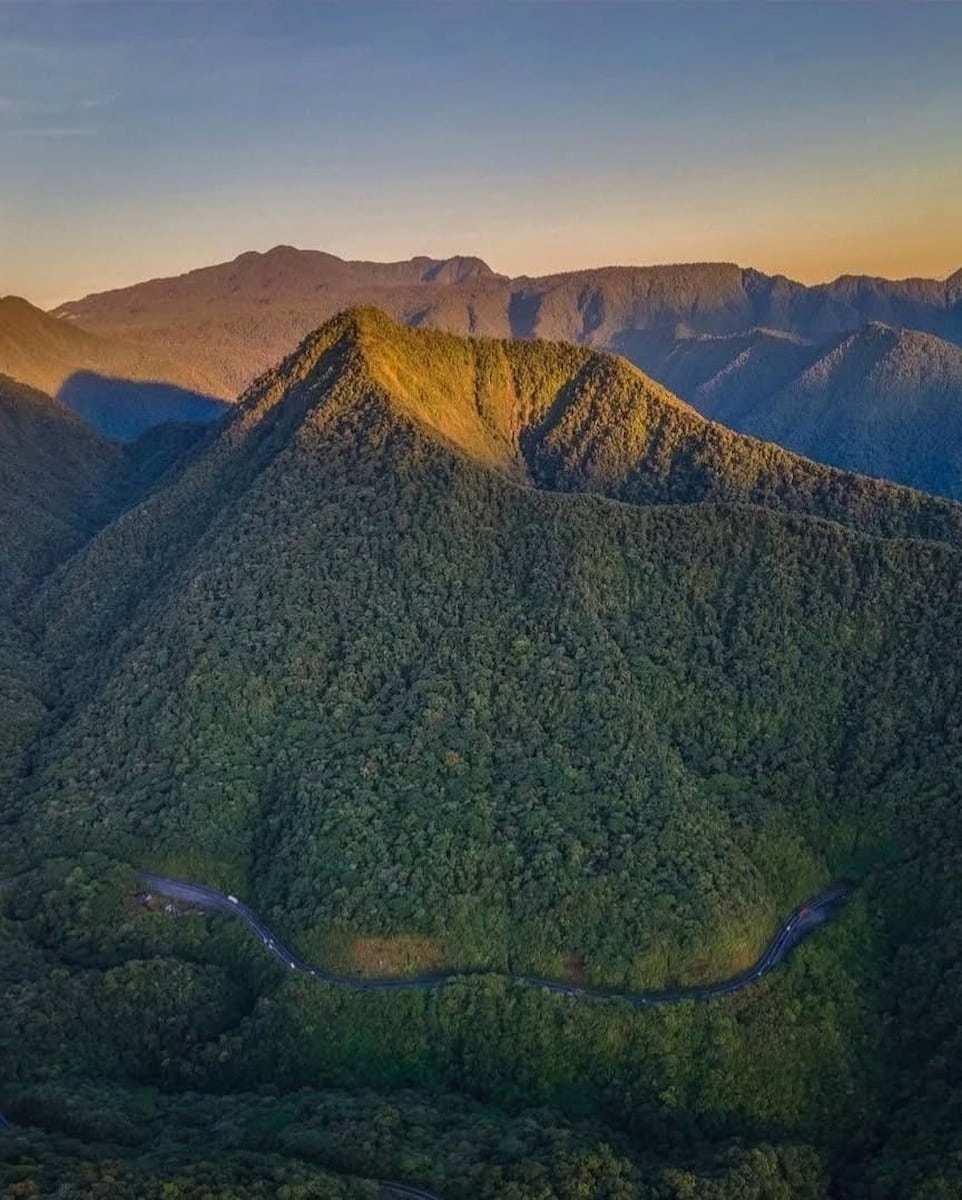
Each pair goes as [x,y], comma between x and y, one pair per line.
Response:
[800,922]
[404,1189]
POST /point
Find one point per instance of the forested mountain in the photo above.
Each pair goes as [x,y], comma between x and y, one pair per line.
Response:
[119,388]
[880,400]
[495,654]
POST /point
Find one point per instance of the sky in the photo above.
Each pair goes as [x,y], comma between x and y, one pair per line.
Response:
[145,138]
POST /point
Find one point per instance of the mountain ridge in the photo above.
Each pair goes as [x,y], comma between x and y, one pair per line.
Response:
[283,294]
[881,400]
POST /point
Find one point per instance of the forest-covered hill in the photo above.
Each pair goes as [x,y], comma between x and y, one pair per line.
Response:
[881,400]
[495,654]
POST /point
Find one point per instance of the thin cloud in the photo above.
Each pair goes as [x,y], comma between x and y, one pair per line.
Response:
[24,119]
[49,131]
[15,107]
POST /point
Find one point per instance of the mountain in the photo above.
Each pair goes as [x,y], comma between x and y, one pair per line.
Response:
[725,338]
[119,388]
[231,321]
[495,654]
[880,400]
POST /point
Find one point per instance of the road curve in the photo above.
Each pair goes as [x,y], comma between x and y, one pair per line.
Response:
[404,1189]
[800,922]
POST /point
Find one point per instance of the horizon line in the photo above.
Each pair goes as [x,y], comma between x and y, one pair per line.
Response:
[581,270]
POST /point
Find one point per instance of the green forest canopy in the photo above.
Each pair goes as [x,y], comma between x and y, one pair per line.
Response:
[361,658]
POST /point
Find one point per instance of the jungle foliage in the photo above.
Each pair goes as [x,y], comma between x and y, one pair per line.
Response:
[494,655]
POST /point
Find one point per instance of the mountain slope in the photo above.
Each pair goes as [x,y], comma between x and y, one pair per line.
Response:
[884,401]
[107,381]
[380,656]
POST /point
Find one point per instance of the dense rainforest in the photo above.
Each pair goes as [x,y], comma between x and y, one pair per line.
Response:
[492,655]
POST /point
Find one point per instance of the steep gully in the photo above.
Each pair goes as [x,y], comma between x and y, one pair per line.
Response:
[800,922]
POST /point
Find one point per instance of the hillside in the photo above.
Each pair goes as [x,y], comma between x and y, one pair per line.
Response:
[382,655]
[119,388]
[52,467]
[880,400]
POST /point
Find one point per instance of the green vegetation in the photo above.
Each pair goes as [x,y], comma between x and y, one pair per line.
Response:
[881,400]
[357,657]
[51,468]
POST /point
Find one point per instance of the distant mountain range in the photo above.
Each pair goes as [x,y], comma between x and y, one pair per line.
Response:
[231,321]
[861,373]
[734,342]
[880,400]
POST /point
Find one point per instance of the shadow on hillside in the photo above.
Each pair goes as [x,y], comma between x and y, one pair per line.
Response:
[123,409]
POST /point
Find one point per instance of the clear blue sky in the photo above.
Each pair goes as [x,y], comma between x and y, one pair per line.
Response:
[144,138]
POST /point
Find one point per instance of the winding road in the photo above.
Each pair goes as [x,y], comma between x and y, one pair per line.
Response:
[800,922]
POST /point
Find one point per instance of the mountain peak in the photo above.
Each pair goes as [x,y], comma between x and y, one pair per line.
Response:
[561,417]
[458,269]
[12,307]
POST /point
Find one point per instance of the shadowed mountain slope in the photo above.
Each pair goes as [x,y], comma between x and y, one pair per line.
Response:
[106,380]
[884,401]
[880,400]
